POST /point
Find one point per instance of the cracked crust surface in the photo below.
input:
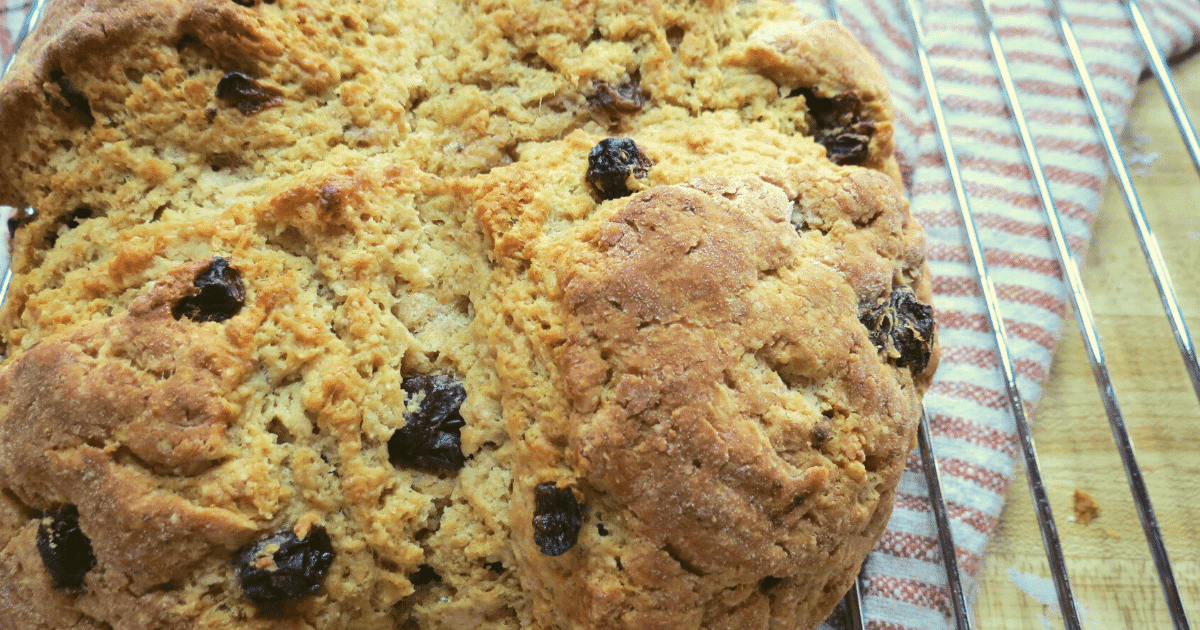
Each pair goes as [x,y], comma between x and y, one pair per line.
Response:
[689,360]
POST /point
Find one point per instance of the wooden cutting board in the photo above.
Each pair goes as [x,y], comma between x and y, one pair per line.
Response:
[1109,565]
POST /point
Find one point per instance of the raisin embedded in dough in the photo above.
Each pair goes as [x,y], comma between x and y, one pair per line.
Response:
[221,294]
[71,221]
[247,94]
[838,126]
[424,575]
[610,165]
[77,215]
[626,98]
[902,327]
[70,99]
[430,435]
[556,518]
[65,549]
[766,584]
[284,567]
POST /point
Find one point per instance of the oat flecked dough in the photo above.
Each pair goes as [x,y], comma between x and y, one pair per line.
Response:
[496,314]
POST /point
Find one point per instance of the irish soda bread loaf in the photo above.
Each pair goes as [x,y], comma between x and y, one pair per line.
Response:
[490,314]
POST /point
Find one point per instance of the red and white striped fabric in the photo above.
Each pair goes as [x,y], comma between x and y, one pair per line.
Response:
[972,427]
[12,16]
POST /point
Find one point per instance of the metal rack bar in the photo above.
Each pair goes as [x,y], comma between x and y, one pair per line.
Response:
[941,516]
[1037,489]
[1166,291]
[1150,248]
[1159,68]
[854,609]
[1083,312]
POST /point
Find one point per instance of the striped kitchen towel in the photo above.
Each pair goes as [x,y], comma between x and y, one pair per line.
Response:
[12,17]
[972,428]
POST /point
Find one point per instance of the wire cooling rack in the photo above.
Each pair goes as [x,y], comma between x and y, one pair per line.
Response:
[851,612]
[1066,601]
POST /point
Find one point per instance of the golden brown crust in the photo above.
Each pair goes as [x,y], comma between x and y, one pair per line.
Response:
[141,388]
[686,349]
[71,31]
[822,55]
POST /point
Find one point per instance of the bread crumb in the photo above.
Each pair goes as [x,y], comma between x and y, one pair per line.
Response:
[1086,507]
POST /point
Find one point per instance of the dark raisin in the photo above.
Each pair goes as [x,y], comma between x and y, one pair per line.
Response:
[424,575]
[821,432]
[77,216]
[557,518]
[284,567]
[65,549]
[20,217]
[838,126]
[626,98]
[901,327]
[675,35]
[612,162]
[71,222]
[221,294]
[494,567]
[245,3]
[247,94]
[430,435]
[70,99]
[768,583]
[186,41]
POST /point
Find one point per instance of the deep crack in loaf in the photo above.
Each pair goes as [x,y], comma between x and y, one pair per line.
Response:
[506,314]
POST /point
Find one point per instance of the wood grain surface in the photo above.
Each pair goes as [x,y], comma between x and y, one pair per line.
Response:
[1109,564]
